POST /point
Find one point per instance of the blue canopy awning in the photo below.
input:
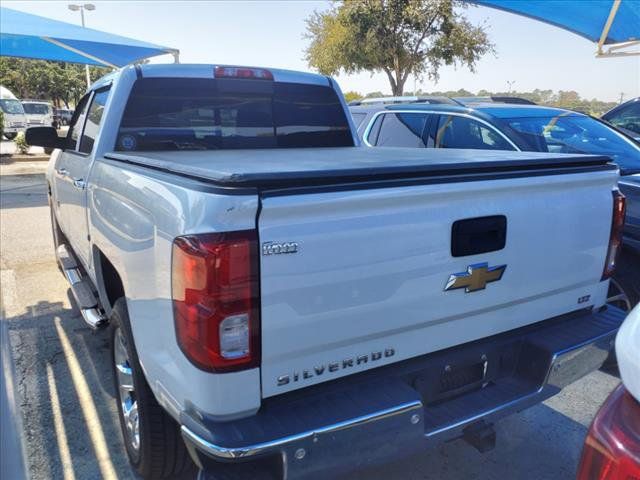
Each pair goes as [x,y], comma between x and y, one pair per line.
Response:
[31,36]
[615,23]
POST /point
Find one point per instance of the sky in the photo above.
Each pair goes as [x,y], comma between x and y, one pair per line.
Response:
[271,34]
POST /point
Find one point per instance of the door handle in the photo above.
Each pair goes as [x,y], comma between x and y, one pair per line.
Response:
[79,183]
[63,172]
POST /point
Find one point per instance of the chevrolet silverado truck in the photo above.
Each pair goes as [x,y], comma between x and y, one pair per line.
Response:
[284,303]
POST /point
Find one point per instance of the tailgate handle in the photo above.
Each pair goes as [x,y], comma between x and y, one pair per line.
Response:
[472,236]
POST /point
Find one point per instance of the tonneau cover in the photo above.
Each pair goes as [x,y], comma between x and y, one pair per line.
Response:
[277,167]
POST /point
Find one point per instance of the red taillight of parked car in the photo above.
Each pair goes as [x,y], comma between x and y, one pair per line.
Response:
[215,299]
[612,448]
[615,239]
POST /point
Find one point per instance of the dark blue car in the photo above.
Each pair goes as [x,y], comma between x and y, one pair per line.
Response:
[498,126]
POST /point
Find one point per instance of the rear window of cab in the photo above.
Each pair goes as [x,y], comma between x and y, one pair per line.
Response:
[219,114]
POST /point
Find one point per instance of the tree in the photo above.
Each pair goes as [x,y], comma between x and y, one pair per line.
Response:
[350,96]
[44,80]
[397,37]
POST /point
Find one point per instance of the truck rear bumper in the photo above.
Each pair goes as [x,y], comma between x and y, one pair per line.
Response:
[387,413]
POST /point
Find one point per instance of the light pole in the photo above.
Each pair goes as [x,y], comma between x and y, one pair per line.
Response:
[510,84]
[74,8]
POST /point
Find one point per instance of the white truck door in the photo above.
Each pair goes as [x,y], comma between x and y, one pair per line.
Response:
[73,170]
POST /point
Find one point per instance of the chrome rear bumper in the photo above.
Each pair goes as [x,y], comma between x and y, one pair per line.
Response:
[383,415]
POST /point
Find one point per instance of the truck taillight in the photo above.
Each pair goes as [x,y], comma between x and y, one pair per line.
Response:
[242,72]
[615,239]
[612,447]
[215,289]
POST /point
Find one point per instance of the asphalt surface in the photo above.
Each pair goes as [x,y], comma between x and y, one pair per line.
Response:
[64,383]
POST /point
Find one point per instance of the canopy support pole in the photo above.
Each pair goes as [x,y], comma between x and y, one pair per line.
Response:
[611,51]
[607,25]
[80,52]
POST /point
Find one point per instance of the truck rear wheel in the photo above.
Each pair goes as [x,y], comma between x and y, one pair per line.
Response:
[152,438]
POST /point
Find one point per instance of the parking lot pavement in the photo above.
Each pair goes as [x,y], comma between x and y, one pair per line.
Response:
[66,395]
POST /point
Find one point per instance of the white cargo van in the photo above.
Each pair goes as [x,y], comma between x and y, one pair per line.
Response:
[38,113]
[15,120]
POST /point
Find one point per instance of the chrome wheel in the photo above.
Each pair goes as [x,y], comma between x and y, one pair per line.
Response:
[126,391]
[617,297]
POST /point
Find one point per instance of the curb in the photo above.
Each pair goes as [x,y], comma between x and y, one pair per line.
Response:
[37,157]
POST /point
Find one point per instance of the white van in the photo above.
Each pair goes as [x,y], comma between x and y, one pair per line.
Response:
[15,120]
[38,113]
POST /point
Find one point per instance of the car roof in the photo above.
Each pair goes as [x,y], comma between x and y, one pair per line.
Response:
[620,107]
[496,110]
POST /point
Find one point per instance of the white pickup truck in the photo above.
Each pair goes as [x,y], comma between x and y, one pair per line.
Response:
[294,305]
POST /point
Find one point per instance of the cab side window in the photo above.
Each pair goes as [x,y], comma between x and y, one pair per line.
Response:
[93,119]
[402,130]
[462,132]
[75,125]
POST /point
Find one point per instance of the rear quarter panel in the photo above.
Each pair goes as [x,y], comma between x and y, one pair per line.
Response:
[134,216]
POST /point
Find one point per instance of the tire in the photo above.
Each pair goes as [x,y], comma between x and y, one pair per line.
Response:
[152,438]
[10,136]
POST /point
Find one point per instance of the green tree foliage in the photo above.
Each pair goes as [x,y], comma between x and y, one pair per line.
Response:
[397,37]
[350,96]
[59,82]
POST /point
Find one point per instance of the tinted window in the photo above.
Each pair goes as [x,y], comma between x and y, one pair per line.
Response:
[627,117]
[462,132]
[75,125]
[402,130]
[92,124]
[36,108]
[203,114]
[570,133]
[372,138]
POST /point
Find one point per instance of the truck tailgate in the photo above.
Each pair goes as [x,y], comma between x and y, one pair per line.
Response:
[366,285]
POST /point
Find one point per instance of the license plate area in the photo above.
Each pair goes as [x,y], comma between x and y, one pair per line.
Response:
[457,373]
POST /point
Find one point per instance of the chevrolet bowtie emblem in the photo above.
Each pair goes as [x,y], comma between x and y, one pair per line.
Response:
[475,278]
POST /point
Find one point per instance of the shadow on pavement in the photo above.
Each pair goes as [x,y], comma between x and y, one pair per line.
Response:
[520,452]
[65,383]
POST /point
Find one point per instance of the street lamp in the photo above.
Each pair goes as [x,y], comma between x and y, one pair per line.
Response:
[510,83]
[74,8]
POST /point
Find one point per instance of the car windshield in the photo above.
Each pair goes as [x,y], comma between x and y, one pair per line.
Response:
[627,117]
[36,108]
[570,133]
[11,106]
[212,114]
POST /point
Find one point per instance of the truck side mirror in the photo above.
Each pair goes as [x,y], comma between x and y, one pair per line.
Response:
[46,137]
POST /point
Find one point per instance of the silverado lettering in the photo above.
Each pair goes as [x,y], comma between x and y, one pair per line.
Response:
[335,366]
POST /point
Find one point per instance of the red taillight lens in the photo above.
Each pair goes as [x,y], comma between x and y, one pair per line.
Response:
[242,72]
[612,447]
[215,299]
[615,240]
